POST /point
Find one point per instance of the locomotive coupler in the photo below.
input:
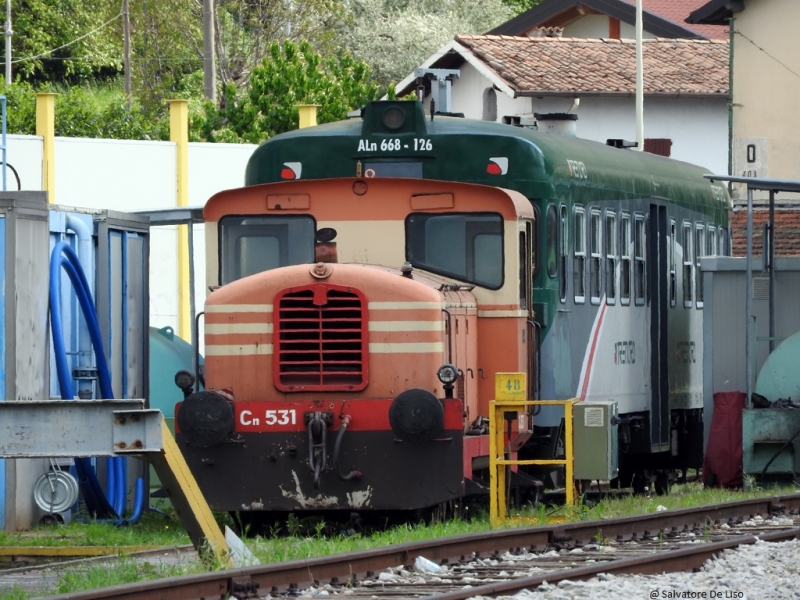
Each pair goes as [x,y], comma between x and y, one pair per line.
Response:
[317,423]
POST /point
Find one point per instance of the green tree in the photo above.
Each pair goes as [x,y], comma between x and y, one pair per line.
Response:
[289,75]
[520,6]
[65,41]
[395,36]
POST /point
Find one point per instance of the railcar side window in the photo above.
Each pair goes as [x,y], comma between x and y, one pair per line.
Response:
[638,259]
[688,265]
[551,224]
[595,264]
[712,241]
[700,248]
[466,246]
[611,251]
[579,255]
[724,242]
[625,260]
[252,244]
[673,280]
[562,254]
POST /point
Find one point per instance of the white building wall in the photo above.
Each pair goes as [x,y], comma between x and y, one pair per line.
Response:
[698,127]
[130,176]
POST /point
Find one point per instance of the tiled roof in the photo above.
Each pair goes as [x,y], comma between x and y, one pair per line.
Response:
[536,66]
[678,10]
[787,230]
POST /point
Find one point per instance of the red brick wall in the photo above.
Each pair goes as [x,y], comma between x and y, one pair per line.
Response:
[787,229]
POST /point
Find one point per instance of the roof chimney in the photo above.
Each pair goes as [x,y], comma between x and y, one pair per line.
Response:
[562,123]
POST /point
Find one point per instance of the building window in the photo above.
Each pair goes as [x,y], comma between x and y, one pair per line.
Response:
[611,251]
[688,265]
[489,105]
[625,259]
[638,259]
[579,255]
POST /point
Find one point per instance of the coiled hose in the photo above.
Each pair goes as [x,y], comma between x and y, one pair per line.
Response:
[63,256]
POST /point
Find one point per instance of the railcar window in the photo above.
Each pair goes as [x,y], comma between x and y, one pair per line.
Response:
[562,254]
[638,259]
[625,259]
[712,241]
[724,242]
[579,255]
[673,279]
[595,280]
[467,246]
[551,225]
[252,244]
[611,250]
[700,249]
[688,265]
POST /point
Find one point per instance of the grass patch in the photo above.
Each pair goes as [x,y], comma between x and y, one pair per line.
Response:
[158,529]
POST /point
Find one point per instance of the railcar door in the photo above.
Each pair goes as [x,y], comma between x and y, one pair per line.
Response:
[527,266]
[658,290]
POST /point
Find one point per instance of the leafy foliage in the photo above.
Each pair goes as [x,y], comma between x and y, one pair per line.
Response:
[50,41]
[289,75]
[520,6]
[79,115]
[395,36]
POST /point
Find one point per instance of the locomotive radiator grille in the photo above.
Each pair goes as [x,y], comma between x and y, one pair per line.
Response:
[321,338]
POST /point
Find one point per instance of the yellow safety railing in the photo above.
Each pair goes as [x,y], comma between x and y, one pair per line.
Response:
[509,388]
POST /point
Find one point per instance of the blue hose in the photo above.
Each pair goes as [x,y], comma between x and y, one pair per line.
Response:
[98,503]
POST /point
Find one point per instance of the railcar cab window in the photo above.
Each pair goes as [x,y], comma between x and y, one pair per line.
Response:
[563,253]
[252,244]
[700,250]
[464,246]
[579,255]
[551,235]
[611,251]
[688,265]
[595,264]
[638,259]
[625,259]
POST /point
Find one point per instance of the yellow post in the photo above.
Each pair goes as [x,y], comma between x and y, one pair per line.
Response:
[569,455]
[179,133]
[308,114]
[46,127]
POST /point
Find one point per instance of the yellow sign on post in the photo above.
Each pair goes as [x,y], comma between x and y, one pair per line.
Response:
[510,386]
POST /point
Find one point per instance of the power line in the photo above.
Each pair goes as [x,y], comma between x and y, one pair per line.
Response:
[46,54]
[777,60]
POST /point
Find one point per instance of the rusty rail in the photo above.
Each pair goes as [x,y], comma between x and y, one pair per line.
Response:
[298,574]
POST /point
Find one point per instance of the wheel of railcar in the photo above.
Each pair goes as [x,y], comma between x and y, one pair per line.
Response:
[662,483]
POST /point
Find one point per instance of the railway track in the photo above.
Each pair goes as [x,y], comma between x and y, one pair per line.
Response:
[704,531]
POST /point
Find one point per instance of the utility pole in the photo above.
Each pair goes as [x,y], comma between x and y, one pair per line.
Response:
[8,32]
[639,80]
[209,68]
[126,50]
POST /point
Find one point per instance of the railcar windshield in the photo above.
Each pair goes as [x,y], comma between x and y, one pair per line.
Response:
[252,244]
[467,247]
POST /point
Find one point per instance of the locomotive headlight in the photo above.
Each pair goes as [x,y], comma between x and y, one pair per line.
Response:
[447,374]
[393,118]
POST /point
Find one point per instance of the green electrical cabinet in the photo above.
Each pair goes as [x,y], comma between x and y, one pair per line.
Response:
[594,426]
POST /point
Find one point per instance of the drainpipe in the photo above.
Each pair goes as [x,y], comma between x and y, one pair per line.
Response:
[84,341]
[730,97]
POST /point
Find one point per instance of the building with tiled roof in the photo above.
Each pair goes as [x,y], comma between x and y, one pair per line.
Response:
[613,19]
[513,77]
[787,229]
[765,87]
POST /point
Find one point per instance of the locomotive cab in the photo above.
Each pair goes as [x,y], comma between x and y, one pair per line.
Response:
[343,364]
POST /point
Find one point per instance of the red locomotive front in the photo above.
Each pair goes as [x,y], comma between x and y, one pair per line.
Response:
[351,385]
